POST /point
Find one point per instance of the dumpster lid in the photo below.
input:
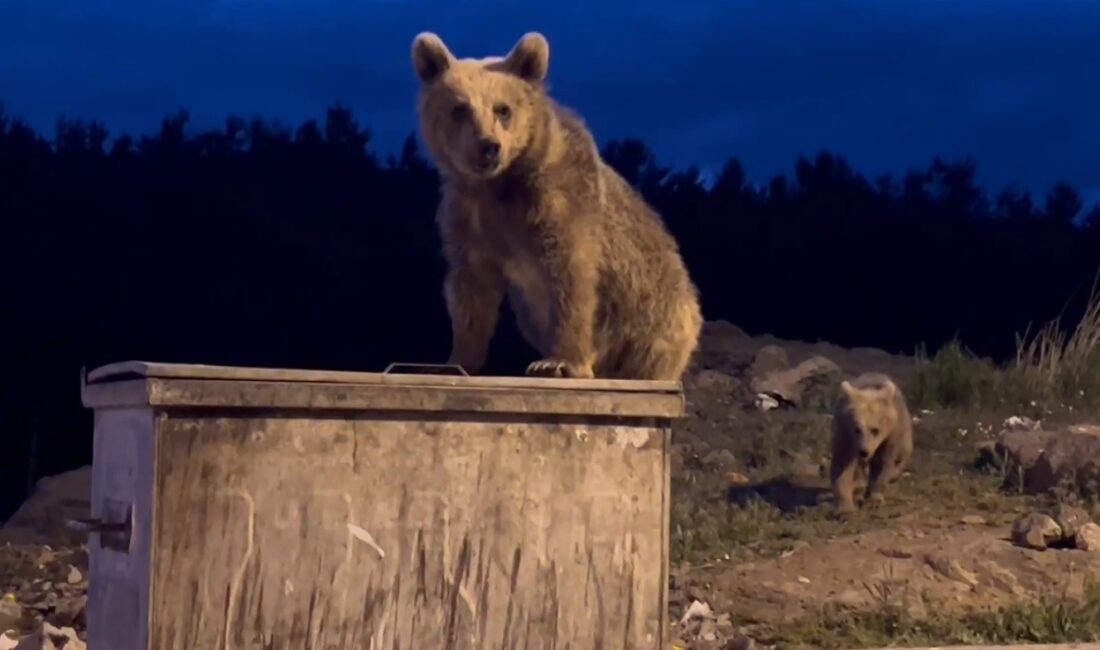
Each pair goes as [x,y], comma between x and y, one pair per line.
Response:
[139,384]
[152,370]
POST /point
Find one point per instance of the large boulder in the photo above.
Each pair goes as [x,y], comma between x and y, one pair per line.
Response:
[722,337]
[793,385]
[56,499]
[1041,460]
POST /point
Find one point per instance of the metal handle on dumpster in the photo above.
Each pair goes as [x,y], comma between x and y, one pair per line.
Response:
[454,368]
[114,526]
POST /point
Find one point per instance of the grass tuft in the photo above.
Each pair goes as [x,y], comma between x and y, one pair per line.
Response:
[1055,618]
[1053,368]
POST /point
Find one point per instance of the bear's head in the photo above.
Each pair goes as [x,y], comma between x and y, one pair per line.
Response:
[873,413]
[477,116]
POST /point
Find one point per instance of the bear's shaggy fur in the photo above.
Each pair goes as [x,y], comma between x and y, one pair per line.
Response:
[530,209]
[872,439]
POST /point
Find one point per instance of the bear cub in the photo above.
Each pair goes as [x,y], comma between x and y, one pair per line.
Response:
[530,211]
[872,439]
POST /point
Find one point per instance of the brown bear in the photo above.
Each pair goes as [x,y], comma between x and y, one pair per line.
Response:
[529,209]
[872,439]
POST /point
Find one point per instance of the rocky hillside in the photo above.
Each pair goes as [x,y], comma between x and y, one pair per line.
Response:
[757,557]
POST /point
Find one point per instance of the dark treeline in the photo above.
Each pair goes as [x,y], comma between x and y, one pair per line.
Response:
[259,244]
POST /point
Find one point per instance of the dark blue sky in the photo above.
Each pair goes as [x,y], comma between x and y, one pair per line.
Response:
[887,83]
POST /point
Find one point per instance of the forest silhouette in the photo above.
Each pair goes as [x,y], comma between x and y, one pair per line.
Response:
[263,244]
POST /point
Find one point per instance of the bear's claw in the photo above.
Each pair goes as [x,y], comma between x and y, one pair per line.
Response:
[558,368]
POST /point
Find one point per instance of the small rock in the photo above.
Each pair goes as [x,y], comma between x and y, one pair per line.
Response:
[950,568]
[695,593]
[973,520]
[1036,531]
[740,642]
[10,615]
[697,611]
[804,580]
[719,458]
[8,641]
[1069,519]
[1088,537]
[75,577]
[52,638]
[896,553]
[68,611]
[737,478]
[708,631]
[1000,577]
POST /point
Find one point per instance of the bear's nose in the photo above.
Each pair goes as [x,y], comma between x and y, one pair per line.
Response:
[488,152]
[864,454]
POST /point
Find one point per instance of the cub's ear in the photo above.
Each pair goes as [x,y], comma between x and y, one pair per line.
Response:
[847,388]
[889,389]
[529,58]
[430,57]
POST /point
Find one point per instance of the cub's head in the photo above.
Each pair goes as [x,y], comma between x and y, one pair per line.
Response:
[477,116]
[873,412]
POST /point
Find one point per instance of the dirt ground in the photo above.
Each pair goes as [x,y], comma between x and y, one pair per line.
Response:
[756,552]
[753,532]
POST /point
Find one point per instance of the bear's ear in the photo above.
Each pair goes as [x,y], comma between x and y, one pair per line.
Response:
[529,58]
[430,56]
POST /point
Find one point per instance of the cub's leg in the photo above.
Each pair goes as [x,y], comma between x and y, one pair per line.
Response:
[886,467]
[842,472]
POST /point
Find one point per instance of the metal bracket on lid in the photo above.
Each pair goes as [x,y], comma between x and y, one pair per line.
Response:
[429,368]
[114,526]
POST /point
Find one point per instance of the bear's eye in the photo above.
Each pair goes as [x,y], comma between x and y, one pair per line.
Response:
[460,112]
[874,431]
[503,112]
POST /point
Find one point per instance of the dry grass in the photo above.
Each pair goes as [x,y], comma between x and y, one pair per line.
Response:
[1053,369]
[712,520]
[1056,365]
[1055,377]
[1055,618]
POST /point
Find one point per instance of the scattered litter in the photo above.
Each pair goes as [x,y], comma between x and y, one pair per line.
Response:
[1017,423]
[696,611]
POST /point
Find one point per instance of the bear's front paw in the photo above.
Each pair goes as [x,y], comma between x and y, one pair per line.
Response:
[559,368]
[876,500]
[844,510]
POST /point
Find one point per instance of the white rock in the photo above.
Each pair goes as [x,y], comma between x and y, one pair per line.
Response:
[766,402]
[1088,537]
